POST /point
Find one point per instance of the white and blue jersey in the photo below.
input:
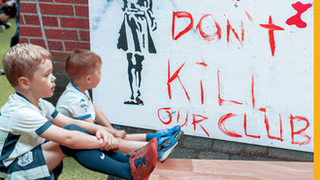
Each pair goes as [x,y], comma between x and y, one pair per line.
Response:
[20,127]
[75,104]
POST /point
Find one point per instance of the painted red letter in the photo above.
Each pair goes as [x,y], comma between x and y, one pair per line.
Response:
[271,27]
[173,77]
[185,122]
[205,36]
[167,110]
[222,101]
[301,131]
[234,32]
[181,14]
[224,129]
[245,127]
[198,121]
[266,121]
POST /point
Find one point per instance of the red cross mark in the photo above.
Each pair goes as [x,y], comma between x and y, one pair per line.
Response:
[296,19]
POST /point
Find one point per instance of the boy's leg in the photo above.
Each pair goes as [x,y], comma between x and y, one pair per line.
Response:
[147,137]
[97,160]
[52,154]
[32,165]
[126,146]
[136,137]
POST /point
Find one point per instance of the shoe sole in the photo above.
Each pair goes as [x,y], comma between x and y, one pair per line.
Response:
[171,149]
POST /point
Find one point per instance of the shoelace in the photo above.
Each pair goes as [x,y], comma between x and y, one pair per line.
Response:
[140,161]
[166,142]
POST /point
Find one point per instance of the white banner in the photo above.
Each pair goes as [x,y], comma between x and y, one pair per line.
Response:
[237,70]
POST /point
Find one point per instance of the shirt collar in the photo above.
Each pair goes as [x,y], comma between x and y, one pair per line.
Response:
[75,87]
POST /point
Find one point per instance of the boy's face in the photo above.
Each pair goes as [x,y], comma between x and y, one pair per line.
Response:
[96,76]
[42,85]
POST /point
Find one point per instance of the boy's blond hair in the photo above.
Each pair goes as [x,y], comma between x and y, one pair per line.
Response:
[80,63]
[22,60]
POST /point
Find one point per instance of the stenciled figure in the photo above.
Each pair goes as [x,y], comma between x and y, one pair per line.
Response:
[135,39]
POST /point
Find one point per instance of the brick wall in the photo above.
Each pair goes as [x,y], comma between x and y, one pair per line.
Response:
[66,26]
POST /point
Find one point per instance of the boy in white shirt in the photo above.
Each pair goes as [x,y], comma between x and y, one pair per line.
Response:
[83,69]
[27,121]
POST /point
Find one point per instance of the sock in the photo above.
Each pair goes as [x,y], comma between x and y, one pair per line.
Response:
[118,156]
[97,160]
[151,136]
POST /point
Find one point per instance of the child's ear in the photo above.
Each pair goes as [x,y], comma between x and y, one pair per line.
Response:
[88,79]
[24,83]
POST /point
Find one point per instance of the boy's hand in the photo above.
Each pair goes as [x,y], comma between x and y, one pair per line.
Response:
[109,141]
[3,17]
[120,134]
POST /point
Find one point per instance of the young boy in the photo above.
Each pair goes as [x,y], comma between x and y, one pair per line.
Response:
[83,69]
[27,121]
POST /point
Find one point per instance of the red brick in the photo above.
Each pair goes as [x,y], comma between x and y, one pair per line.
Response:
[31,19]
[55,45]
[81,45]
[45,0]
[27,7]
[58,67]
[79,23]
[47,21]
[21,19]
[56,9]
[23,40]
[59,56]
[72,1]
[50,21]
[84,35]
[62,34]
[82,11]
[30,31]
[39,42]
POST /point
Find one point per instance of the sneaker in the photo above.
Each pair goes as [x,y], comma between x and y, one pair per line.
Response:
[2,28]
[166,145]
[144,164]
[2,71]
[168,132]
[141,150]
[7,25]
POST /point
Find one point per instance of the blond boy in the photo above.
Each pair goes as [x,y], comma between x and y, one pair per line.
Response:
[27,121]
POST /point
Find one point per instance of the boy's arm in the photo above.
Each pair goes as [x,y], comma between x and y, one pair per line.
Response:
[100,118]
[100,131]
[78,140]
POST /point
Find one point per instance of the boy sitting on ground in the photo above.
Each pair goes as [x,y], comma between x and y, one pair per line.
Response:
[83,69]
[27,121]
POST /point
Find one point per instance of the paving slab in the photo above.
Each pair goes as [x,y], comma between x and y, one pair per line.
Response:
[187,169]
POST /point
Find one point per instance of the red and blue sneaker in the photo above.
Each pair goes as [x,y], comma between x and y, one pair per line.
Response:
[143,164]
[139,151]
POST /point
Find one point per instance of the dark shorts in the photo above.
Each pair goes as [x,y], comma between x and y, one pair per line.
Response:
[31,165]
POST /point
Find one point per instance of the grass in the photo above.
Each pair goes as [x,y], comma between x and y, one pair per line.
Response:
[5,38]
[72,170]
